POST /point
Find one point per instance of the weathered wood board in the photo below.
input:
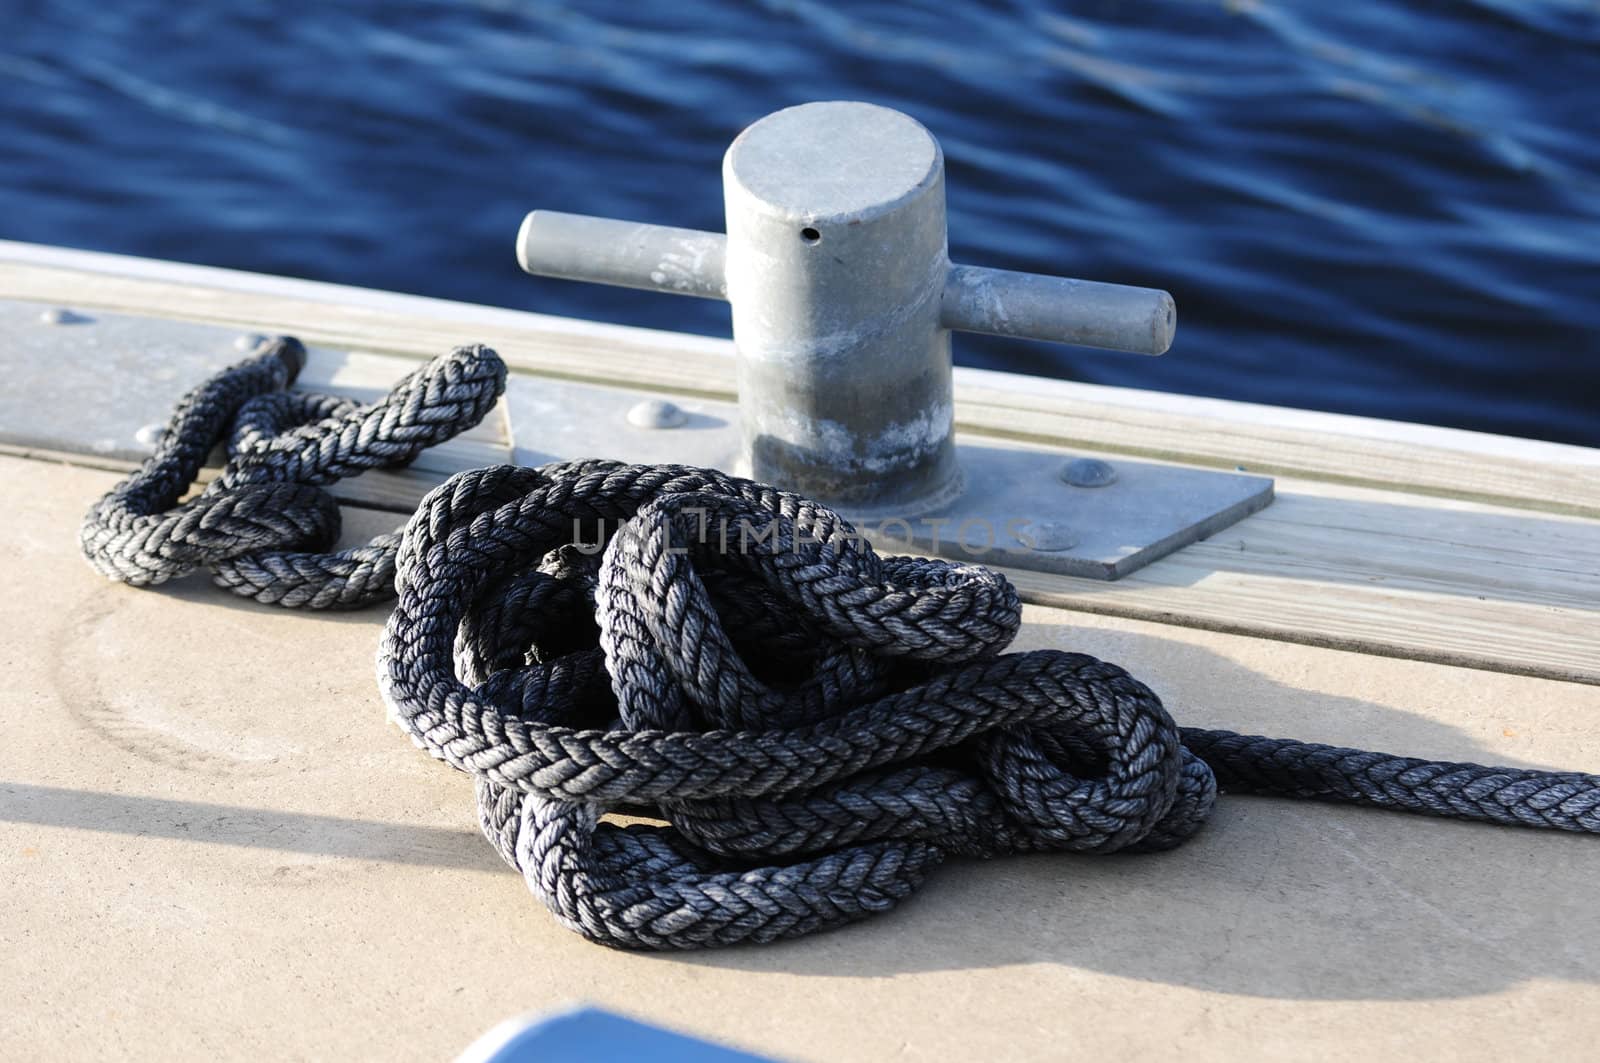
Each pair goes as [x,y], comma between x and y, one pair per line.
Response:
[1388,539]
[1354,450]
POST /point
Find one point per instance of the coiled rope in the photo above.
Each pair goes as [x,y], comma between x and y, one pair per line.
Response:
[264,526]
[812,727]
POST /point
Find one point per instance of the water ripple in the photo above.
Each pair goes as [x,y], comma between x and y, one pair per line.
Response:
[1383,208]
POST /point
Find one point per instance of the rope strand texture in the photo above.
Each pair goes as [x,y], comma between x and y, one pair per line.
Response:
[263,526]
[816,725]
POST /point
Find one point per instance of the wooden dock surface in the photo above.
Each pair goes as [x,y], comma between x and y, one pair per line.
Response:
[215,843]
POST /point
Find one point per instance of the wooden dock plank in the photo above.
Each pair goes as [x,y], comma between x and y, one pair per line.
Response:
[1547,484]
[1504,575]
[1447,463]
[1328,565]
[1464,584]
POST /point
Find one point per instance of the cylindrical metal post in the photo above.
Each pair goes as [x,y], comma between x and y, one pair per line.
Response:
[843,297]
[836,269]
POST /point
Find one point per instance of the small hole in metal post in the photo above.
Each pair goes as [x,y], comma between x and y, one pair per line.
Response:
[810,235]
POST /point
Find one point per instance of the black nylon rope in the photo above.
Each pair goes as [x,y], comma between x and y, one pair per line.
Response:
[813,725]
[264,525]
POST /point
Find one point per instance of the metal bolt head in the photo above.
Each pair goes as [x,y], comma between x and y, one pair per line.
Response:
[60,315]
[150,435]
[248,341]
[1088,472]
[1048,536]
[656,413]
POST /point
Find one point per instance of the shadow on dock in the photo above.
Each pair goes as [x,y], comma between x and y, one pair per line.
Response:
[1274,898]
[256,828]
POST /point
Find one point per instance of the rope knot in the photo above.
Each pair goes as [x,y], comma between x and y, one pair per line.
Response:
[816,724]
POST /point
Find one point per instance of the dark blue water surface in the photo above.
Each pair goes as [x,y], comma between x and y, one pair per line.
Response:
[1384,208]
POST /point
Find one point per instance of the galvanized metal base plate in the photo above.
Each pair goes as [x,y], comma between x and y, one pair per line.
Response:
[1016,509]
[103,384]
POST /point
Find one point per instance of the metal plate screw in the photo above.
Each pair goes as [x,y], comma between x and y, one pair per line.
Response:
[1047,536]
[656,413]
[149,435]
[59,315]
[248,341]
[1088,472]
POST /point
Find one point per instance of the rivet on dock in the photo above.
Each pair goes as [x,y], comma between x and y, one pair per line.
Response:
[656,414]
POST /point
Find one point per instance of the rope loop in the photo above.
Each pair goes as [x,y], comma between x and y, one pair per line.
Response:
[264,524]
[701,710]
[806,727]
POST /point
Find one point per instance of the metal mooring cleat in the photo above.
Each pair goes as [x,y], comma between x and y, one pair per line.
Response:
[837,268]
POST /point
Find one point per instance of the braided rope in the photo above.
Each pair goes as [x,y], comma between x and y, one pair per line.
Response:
[263,526]
[816,725]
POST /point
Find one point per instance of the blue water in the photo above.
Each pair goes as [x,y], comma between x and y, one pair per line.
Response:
[1383,208]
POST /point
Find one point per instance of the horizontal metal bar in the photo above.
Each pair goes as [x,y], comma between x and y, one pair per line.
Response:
[627,254]
[1000,302]
[1085,313]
